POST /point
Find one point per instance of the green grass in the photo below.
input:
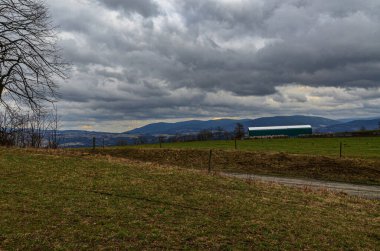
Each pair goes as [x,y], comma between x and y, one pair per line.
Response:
[75,202]
[356,147]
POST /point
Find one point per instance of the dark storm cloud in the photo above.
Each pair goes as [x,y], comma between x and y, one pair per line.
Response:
[315,43]
[213,57]
[144,7]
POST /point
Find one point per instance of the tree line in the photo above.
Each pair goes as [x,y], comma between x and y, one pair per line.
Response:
[217,133]
[35,129]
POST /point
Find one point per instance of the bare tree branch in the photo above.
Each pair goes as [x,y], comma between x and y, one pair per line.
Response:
[30,62]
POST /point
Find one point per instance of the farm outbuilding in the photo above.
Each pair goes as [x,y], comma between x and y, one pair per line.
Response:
[290,131]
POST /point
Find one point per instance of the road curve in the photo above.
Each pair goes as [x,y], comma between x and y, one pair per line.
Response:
[371,192]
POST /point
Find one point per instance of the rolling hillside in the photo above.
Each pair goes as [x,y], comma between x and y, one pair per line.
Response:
[195,126]
[352,126]
[192,126]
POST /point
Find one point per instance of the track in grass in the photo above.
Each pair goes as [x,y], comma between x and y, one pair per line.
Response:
[371,192]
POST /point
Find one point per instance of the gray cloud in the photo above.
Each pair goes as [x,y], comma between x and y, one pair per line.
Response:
[144,7]
[209,58]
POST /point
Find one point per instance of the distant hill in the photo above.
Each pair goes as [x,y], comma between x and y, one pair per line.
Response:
[351,126]
[79,138]
[187,127]
[315,122]
[194,126]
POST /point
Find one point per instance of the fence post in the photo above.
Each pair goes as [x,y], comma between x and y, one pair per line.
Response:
[93,143]
[340,149]
[209,161]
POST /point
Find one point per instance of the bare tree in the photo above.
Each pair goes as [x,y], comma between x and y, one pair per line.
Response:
[31,129]
[204,135]
[38,127]
[239,131]
[161,139]
[54,123]
[141,140]
[219,133]
[5,128]
[30,62]
[11,127]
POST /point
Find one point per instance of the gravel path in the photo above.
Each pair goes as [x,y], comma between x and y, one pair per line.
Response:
[372,192]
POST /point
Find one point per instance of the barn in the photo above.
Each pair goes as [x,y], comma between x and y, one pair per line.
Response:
[290,131]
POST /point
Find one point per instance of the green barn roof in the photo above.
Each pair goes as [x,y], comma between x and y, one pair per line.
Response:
[291,131]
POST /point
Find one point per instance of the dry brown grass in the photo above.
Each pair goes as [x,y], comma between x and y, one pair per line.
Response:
[349,170]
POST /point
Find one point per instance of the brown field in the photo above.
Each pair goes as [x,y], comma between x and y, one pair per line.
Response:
[361,171]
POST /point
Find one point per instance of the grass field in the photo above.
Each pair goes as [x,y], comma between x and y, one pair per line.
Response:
[357,147]
[360,171]
[59,201]
[313,158]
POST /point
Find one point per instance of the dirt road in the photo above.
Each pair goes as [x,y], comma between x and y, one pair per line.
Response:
[372,192]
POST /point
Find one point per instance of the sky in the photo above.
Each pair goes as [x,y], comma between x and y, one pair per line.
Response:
[136,62]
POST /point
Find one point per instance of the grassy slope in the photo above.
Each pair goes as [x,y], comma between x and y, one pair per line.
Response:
[362,147]
[78,202]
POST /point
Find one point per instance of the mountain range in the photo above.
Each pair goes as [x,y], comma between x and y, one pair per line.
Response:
[351,126]
[194,126]
[320,125]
